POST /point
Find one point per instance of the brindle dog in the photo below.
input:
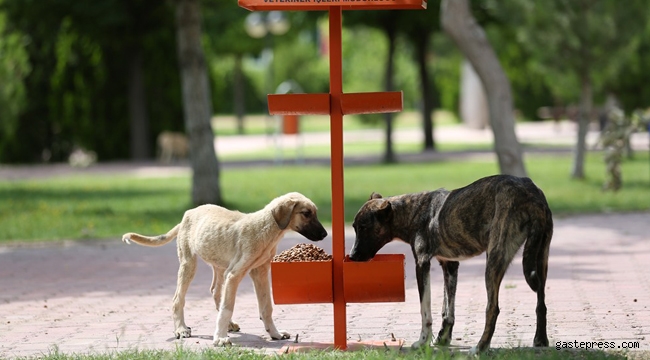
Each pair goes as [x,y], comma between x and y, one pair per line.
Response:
[496,214]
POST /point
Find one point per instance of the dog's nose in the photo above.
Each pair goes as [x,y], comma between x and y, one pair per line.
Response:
[323,234]
[356,255]
[353,256]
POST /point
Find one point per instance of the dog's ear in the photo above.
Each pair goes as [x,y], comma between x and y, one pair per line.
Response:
[282,213]
[384,210]
[375,195]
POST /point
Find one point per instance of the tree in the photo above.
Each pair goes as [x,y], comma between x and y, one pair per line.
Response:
[388,23]
[226,20]
[197,104]
[419,26]
[416,27]
[578,45]
[82,57]
[459,23]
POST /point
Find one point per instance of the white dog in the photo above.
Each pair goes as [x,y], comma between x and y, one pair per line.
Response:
[234,244]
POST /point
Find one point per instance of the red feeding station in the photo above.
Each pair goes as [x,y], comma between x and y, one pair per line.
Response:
[340,280]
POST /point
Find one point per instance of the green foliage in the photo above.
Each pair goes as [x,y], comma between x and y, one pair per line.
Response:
[365,48]
[78,74]
[222,69]
[301,61]
[574,41]
[364,59]
[529,88]
[14,67]
[447,61]
[631,84]
[81,54]
[224,30]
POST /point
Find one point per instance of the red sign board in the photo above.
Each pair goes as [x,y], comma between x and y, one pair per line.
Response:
[324,5]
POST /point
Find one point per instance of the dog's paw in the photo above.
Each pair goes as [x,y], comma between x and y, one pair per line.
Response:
[280,335]
[222,341]
[540,342]
[473,351]
[233,327]
[183,332]
[442,342]
[420,343]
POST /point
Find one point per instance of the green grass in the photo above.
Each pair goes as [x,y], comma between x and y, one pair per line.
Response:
[428,354]
[89,206]
[92,207]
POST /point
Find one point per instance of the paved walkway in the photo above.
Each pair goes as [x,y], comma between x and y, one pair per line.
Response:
[538,132]
[98,296]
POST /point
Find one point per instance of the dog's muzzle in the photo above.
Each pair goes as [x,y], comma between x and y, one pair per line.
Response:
[314,232]
[356,255]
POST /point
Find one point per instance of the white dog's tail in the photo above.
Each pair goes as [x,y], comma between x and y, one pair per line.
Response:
[151,240]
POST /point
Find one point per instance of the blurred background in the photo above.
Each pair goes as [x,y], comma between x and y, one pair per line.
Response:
[88,74]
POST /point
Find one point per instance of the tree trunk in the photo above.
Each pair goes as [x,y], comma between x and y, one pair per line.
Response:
[197,106]
[428,100]
[139,124]
[459,23]
[584,118]
[389,154]
[238,94]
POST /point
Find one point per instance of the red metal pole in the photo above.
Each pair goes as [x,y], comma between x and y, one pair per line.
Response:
[336,136]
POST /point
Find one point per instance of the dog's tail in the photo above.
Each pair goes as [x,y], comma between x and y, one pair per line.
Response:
[152,240]
[535,259]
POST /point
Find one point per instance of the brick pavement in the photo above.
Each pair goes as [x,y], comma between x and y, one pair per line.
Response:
[99,296]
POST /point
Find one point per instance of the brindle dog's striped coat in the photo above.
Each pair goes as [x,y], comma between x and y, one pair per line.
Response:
[496,214]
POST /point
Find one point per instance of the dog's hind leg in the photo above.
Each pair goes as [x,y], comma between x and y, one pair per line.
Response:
[496,266]
[186,272]
[215,290]
[422,274]
[541,338]
[231,280]
[260,276]
[450,274]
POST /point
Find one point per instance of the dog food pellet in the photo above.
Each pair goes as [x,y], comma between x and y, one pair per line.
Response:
[303,252]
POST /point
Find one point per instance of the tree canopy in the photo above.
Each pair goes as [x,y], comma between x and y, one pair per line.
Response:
[66,67]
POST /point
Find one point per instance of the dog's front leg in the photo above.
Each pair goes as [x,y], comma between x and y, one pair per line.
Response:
[422,274]
[260,276]
[231,282]
[450,274]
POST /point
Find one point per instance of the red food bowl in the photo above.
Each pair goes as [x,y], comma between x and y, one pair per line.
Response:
[309,282]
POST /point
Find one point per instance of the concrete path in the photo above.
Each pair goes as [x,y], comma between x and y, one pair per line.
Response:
[99,296]
[538,132]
